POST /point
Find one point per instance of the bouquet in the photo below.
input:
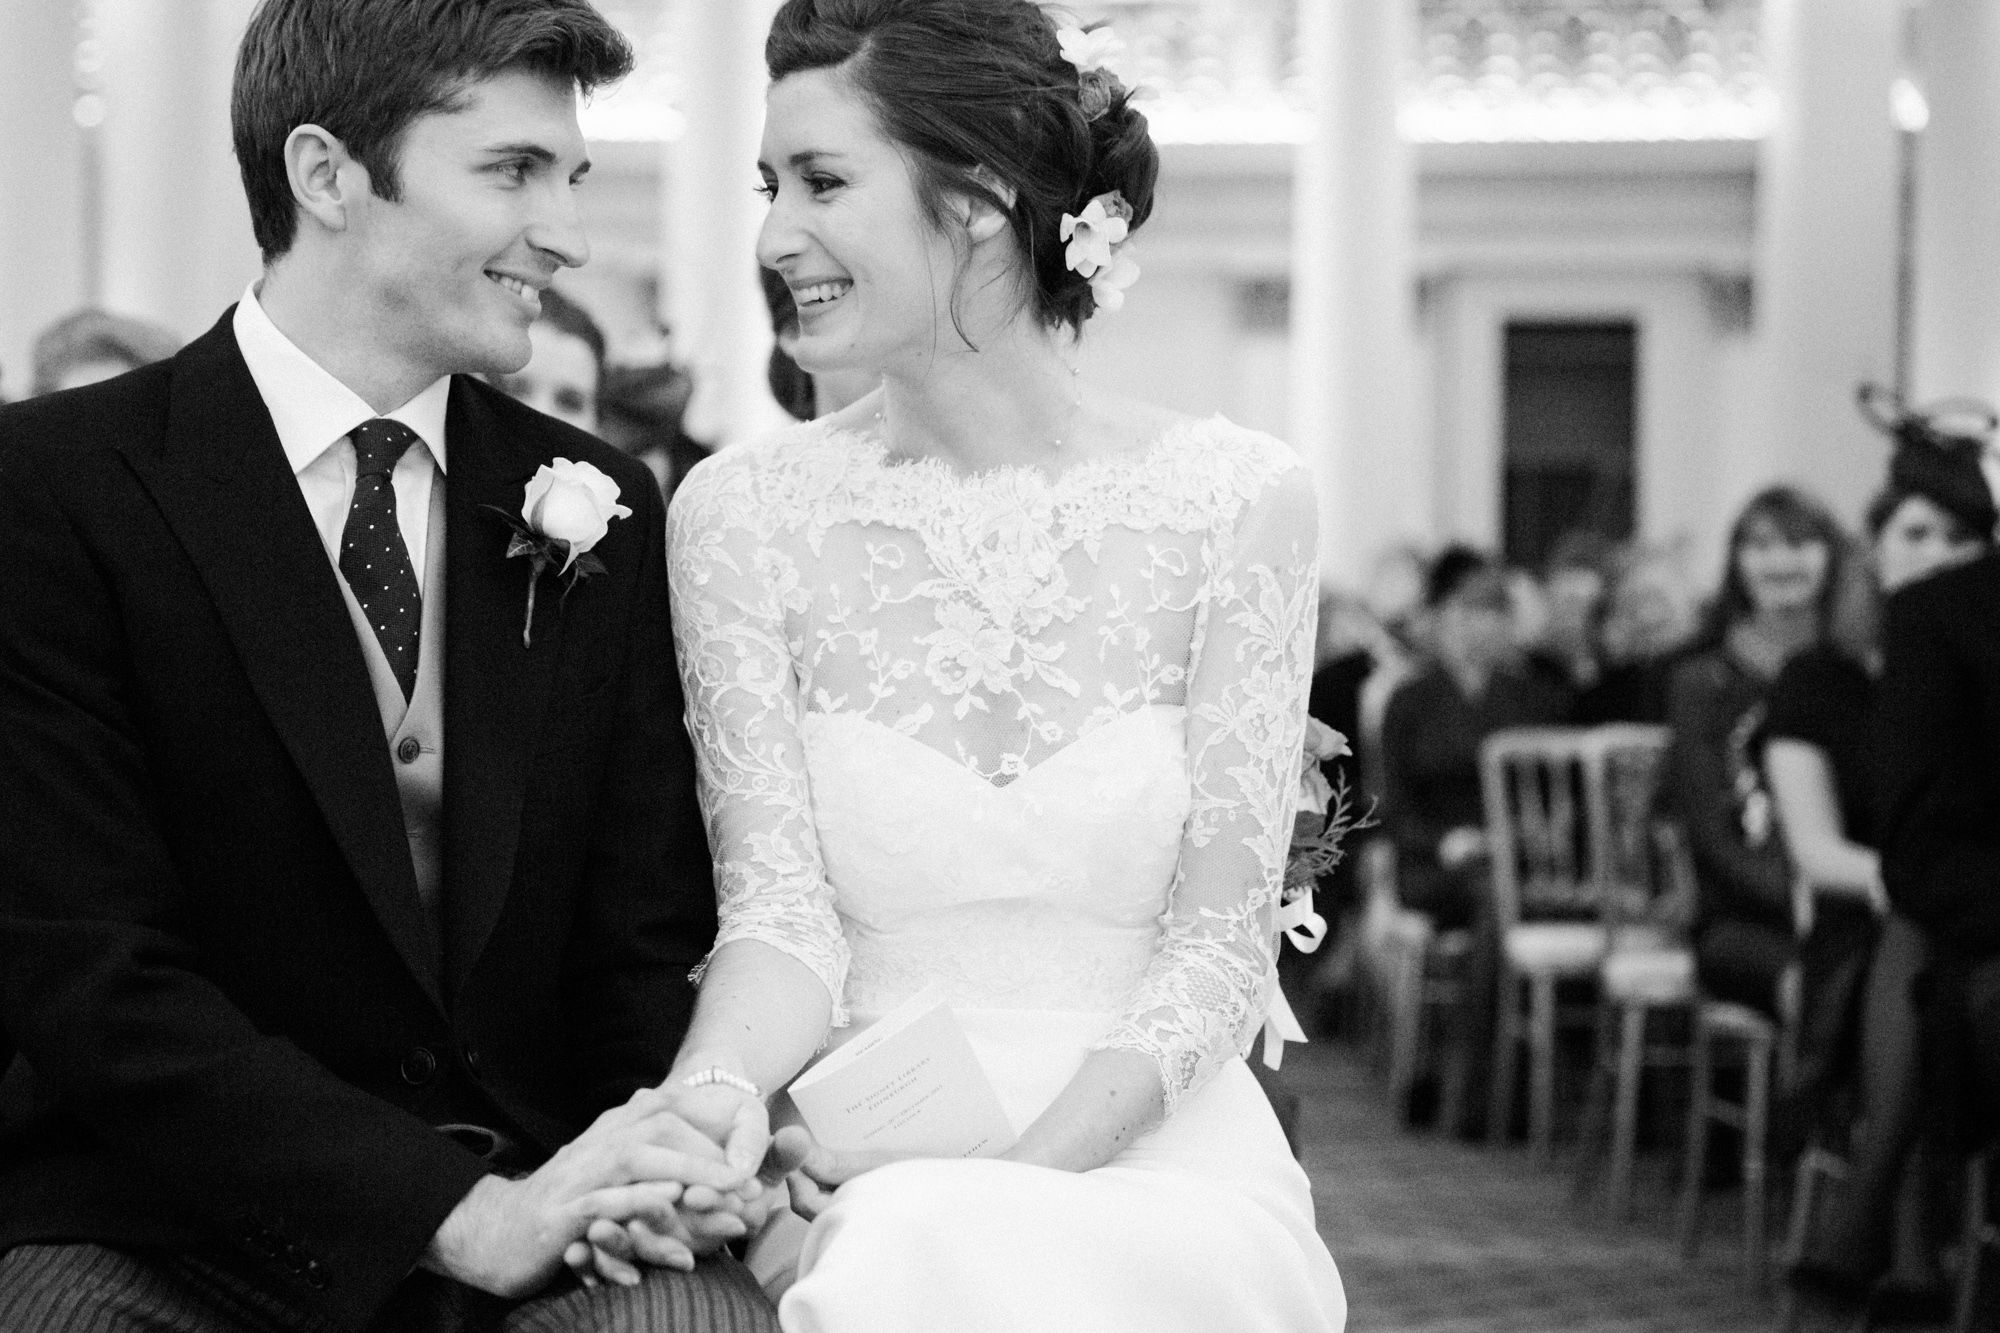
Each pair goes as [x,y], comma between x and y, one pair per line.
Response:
[1324,813]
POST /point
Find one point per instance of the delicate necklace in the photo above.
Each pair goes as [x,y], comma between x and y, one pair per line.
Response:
[1057,439]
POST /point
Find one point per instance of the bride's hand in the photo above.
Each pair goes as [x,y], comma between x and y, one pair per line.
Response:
[816,1171]
[613,1250]
[739,1122]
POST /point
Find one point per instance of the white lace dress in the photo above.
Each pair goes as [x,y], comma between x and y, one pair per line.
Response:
[1035,740]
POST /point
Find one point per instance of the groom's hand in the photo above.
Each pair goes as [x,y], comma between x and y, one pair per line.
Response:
[704,1219]
[508,1236]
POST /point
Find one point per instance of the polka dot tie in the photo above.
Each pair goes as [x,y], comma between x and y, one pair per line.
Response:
[373,558]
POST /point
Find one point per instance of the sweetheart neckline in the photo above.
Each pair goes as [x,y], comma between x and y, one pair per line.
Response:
[1022,778]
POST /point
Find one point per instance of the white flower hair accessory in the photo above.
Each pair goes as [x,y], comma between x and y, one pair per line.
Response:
[1097,238]
[1090,51]
[1097,84]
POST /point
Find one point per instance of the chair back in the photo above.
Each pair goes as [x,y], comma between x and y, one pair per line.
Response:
[1568,817]
[1623,777]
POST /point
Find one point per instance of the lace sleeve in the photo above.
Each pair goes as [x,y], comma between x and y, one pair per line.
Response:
[732,584]
[1205,993]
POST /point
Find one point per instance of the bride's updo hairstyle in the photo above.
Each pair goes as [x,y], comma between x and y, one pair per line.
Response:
[965,84]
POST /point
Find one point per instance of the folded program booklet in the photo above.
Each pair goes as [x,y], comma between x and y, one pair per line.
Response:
[910,1083]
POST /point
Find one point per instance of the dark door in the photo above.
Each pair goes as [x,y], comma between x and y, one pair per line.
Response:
[1567,446]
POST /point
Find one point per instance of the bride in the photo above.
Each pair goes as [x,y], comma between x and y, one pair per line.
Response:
[998,683]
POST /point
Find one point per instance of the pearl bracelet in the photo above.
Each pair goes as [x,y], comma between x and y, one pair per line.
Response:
[702,1078]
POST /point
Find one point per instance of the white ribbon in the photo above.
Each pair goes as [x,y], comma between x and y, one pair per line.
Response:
[1306,929]
[1280,1026]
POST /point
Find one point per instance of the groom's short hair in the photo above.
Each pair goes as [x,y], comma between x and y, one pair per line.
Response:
[364,69]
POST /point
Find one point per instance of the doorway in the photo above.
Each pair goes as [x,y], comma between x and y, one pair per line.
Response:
[1568,431]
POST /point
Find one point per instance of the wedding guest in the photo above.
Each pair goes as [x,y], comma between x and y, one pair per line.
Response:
[1393,598]
[642,410]
[1776,598]
[1474,685]
[1576,591]
[1647,621]
[566,373]
[91,345]
[1859,1013]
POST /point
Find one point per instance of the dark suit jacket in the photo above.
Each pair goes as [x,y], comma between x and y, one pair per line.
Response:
[237,1028]
[1937,744]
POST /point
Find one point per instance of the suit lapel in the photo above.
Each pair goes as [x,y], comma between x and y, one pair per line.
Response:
[224,486]
[496,687]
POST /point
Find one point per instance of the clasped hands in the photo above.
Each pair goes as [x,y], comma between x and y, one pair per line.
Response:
[791,1168]
[674,1173]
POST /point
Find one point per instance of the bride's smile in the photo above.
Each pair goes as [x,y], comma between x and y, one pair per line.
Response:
[871,276]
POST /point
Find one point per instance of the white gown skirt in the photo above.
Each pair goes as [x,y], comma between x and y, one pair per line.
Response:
[1203,1225]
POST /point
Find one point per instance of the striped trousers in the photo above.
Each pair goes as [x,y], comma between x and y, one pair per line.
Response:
[98,1289]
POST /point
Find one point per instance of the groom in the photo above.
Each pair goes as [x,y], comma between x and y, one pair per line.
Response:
[351,878]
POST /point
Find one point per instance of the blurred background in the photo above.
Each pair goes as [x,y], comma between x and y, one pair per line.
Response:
[1499,268]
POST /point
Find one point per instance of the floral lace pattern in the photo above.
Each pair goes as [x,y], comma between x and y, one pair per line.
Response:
[835,607]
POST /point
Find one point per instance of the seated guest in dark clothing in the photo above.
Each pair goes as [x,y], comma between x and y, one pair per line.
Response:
[1776,597]
[1576,590]
[1814,762]
[1475,686]
[1646,623]
[1935,514]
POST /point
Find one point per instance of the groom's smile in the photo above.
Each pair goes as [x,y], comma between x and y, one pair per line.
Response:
[486,213]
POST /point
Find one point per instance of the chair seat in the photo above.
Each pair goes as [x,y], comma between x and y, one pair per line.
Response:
[1736,1020]
[1648,975]
[1565,948]
[1408,928]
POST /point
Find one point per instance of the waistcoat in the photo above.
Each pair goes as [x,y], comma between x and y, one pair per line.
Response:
[414,727]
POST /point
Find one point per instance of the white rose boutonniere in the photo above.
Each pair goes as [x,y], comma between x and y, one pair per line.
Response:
[566,511]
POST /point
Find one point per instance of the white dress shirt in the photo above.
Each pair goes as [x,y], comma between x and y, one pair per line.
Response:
[314,412]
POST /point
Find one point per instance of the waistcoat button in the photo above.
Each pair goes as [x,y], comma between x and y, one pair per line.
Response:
[409,749]
[418,1066]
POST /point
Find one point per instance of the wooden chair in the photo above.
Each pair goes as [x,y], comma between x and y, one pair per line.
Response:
[1416,971]
[1979,1245]
[1551,827]
[1767,1051]
[1647,974]
[1736,1033]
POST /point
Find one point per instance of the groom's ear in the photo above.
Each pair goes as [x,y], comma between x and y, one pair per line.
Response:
[323,177]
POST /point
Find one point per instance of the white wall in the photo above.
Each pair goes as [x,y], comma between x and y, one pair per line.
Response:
[41,181]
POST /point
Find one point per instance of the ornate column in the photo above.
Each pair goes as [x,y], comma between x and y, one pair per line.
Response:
[41,178]
[1353,235]
[1825,279]
[176,235]
[710,296]
[1957,327]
